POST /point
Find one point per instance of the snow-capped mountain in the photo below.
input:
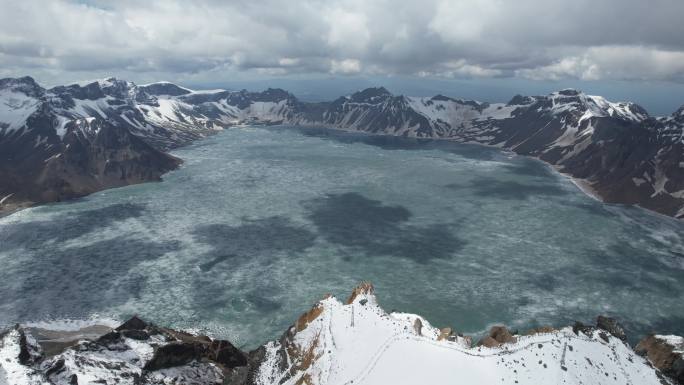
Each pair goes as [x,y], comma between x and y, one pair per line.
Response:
[351,342]
[615,150]
[73,140]
[65,142]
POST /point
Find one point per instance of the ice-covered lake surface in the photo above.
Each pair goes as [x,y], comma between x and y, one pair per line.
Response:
[259,223]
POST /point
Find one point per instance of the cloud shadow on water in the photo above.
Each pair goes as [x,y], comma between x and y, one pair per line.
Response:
[262,238]
[369,228]
[68,226]
[76,279]
[263,242]
[59,275]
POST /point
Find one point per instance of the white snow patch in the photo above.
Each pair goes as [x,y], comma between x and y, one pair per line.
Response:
[15,108]
[676,342]
[61,126]
[638,181]
[6,197]
[660,181]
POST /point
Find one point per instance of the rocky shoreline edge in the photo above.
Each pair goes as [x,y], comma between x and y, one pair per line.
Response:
[314,351]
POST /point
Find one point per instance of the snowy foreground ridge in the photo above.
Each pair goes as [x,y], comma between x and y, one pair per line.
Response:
[355,342]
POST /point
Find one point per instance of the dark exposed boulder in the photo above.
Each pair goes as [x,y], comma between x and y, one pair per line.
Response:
[175,354]
[56,367]
[134,323]
[24,354]
[224,353]
[578,327]
[612,326]
[109,338]
[179,353]
[498,335]
[29,353]
[140,335]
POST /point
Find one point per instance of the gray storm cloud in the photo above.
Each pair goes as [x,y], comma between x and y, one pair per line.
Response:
[533,39]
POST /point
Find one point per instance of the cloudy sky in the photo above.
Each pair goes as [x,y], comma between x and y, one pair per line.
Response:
[628,49]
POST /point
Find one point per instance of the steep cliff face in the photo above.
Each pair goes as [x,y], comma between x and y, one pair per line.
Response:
[69,141]
[355,342]
[86,155]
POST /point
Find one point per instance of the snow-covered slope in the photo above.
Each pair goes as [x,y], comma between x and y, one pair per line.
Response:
[70,141]
[355,342]
[359,343]
[19,98]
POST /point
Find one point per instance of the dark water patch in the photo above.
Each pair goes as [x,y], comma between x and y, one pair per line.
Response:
[97,277]
[261,300]
[263,242]
[66,227]
[371,228]
[529,167]
[508,190]
[215,261]
[545,282]
[263,238]
[636,329]
[250,181]
[385,142]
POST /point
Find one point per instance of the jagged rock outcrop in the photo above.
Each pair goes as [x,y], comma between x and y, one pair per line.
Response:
[134,353]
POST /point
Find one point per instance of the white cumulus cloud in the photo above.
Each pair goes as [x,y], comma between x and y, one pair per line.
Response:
[212,39]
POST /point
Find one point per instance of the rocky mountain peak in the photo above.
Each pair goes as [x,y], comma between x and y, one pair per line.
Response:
[520,100]
[164,89]
[370,95]
[276,94]
[679,114]
[25,84]
[569,92]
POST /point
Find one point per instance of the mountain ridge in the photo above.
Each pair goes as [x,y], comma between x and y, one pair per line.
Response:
[615,149]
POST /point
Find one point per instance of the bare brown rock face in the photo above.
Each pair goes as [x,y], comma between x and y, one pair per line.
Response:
[663,356]
[498,335]
[418,327]
[308,317]
[363,288]
[446,334]
[541,329]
